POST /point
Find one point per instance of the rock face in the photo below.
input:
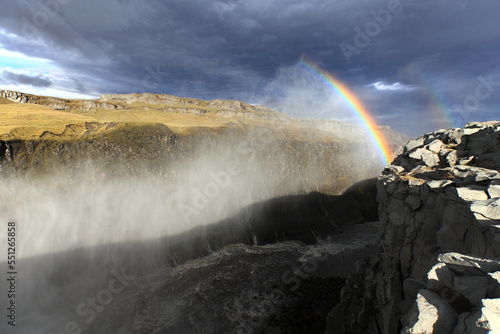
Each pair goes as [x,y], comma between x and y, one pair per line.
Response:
[51,102]
[439,196]
[280,288]
[294,152]
[171,103]
[462,295]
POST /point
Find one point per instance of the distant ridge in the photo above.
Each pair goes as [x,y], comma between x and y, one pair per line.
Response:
[172,103]
[178,112]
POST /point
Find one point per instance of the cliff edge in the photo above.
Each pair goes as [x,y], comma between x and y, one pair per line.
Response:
[438,267]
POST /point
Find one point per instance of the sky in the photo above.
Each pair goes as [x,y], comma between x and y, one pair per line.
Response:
[418,66]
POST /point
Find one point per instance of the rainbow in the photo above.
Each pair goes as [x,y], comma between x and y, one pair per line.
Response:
[355,104]
[437,105]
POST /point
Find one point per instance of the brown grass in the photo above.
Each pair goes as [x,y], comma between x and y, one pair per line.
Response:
[5,101]
[30,121]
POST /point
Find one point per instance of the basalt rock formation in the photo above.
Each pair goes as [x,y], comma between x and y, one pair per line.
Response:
[439,227]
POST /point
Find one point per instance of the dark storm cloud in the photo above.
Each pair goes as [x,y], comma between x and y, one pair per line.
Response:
[234,48]
[22,79]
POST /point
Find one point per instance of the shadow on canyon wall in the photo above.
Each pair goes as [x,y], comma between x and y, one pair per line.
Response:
[53,285]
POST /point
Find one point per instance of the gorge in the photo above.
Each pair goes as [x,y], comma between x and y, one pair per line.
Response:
[158,214]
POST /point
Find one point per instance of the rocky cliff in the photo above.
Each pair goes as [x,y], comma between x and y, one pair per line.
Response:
[439,216]
[217,216]
[227,109]
[168,103]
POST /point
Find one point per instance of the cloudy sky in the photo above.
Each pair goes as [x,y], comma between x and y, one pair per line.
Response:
[417,65]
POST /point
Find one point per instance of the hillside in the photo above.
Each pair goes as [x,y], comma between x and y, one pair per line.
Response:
[35,117]
[155,184]
[163,134]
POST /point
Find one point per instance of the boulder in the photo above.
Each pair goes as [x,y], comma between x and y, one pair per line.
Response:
[474,288]
[490,315]
[489,209]
[484,265]
[430,314]
[435,146]
[494,191]
[412,144]
[472,193]
[439,184]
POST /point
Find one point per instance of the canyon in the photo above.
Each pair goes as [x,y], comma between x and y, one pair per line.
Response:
[159,214]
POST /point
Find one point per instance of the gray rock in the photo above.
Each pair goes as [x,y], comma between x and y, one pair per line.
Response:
[468,131]
[489,209]
[489,160]
[413,200]
[443,153]
[472,193]
[417,153]
[412,144]
[468,322]
[430,159]
[456,212]
[490,315]
[455,135]
[391,188]
[430,137]
[395,169]
[474,288]
[402,192]
[430,314]
[494,284]
[439,276]
[415,182]
[396,219]
[494,191]
[475,241]
[480,142]
[486,175]
[411,288]
[439,184]
[452,158]
[484,265]
[466,161]
[435,146]
[420,169]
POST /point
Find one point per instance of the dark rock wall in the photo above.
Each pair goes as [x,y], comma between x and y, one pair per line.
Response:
[298,166]
[441,195]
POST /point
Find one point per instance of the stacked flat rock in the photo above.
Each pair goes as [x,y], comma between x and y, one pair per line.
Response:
[441,195]
[461,295]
